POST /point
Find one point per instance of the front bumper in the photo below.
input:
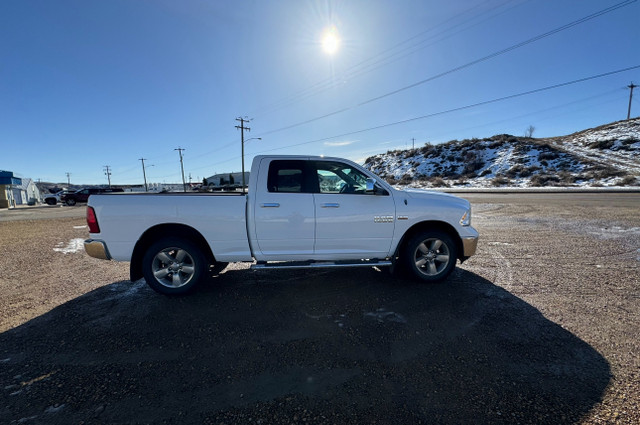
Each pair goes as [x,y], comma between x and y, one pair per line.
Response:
[97,249]
[469,245]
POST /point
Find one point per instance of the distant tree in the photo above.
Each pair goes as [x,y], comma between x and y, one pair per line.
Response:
[231,179]
[529,131]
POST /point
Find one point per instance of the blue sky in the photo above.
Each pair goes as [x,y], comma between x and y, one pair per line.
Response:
[85,84]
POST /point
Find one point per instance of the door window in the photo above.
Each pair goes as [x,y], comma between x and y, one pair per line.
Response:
[336,177]
[286,177]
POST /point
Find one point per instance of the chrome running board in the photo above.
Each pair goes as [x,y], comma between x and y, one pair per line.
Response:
[277,265]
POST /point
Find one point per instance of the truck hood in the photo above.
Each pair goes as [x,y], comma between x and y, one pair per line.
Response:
[436,197]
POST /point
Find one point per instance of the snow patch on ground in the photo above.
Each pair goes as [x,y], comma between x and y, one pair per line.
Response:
[381,315]
[73,246]
[615,232]
[54,409]
[126,289]
[338,320]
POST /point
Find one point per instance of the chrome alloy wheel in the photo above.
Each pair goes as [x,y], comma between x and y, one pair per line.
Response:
[173,267]
[432,256]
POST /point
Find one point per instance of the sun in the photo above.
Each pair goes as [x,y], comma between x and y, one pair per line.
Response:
[330,40]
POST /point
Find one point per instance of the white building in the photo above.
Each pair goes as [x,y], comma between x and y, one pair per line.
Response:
[227,180]
[26,193]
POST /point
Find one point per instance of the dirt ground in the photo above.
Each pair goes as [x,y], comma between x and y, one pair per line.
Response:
[541,326]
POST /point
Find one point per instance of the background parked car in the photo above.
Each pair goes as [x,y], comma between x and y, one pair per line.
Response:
[82,195]
[54,198]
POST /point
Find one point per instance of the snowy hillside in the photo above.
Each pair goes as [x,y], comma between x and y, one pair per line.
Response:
[604,156]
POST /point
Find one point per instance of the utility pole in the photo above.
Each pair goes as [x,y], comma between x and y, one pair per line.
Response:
[413,144]
[630,86]
[144,174]
[68,180]
[242,129]
[107,172]
[184,185]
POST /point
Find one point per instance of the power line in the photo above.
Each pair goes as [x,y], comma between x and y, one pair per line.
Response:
[467,65]
[540,111]
[508,49]
[457,109]
[474,105]
[441,112]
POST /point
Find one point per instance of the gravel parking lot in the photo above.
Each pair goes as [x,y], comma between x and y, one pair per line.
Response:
[541,326]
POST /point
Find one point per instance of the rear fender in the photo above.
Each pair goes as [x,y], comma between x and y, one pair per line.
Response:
[162,231]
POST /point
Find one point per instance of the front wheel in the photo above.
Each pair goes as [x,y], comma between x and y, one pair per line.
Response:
[173,266]
[430,256]
[71,202]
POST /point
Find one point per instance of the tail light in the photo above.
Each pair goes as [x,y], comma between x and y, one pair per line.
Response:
[92,221]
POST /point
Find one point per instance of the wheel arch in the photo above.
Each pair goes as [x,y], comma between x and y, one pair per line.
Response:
[423,226]
[160,231]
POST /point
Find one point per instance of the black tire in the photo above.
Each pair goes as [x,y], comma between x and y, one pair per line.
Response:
[430,256]
[173,266]
[50,201]
[70,202]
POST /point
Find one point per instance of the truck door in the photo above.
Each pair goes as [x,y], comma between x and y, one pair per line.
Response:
[349,221]
[284,213]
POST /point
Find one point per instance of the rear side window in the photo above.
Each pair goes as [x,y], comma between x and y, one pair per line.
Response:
[286,176]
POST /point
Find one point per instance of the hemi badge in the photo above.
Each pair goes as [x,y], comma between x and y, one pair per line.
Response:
[383,219]
[403,217]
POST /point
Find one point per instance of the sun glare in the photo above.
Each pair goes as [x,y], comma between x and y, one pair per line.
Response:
[330,40]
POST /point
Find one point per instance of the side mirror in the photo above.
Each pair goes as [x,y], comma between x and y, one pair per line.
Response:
[371,186]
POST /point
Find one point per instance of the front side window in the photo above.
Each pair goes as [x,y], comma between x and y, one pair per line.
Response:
[336,177]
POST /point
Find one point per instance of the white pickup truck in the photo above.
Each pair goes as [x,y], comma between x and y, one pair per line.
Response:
[299,212]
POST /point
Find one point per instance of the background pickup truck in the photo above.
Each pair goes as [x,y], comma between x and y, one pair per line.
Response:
[82,195]
[298,212]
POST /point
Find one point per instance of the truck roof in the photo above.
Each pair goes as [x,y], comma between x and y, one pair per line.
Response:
[305,157]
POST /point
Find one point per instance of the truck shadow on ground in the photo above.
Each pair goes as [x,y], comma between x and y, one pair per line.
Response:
[341,346]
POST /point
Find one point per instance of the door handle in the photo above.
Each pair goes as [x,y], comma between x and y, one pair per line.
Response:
[331,205]
[270,205]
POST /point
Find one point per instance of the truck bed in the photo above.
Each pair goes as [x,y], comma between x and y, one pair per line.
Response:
[220,218]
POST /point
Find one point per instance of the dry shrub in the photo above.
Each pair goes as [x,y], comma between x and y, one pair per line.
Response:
[629,181]
[500,181]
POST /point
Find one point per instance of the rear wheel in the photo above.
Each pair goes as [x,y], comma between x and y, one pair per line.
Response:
[50,201]
[71,202]
[173,266]
[430,256]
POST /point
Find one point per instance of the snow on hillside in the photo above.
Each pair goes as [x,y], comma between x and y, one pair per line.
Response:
[616,144]
[604,156]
